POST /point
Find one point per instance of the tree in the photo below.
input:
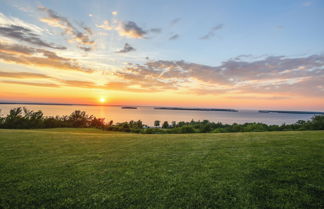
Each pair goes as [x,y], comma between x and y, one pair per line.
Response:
[317,122]
[157,123]
[110,123]
[14,118]
[79,118]
[97,122]
[165,124]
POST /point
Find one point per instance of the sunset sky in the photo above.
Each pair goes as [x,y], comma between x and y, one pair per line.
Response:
[217,53]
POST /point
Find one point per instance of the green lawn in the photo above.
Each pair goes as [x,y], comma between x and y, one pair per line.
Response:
[88,168]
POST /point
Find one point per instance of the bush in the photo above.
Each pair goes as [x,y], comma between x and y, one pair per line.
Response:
[165,124]
[24,118]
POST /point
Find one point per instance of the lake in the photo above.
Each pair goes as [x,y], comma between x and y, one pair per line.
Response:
[148,114]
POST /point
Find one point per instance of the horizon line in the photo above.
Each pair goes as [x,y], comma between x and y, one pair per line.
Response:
[119,105]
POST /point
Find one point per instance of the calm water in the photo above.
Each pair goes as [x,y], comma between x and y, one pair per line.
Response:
[148,114]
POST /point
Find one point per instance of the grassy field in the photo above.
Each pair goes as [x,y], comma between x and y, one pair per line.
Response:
[87,168]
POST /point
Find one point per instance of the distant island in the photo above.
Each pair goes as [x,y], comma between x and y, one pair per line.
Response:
[128,107]
[289,112]
[195,109]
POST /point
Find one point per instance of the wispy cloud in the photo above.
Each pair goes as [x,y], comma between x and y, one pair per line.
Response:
[24,34]
[82,38]
[22,75]
[127,48]
[77,83]
[156,30]
[128,29]
[211,32]
[298,76]
[307,3]
[31,84]
[7,21]
[175,21]
[174,37]
[106,25]
[24,55]
[19,30]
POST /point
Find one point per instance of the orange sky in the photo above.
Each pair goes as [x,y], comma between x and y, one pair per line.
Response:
[49,55]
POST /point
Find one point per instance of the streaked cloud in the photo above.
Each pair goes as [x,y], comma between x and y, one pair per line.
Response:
[31,84]
[211,32]
[23,34]
[175,21]
[7,21]
[174,37]
[156,30]
[24,55]
[19,30]
[127,48]
[78,83]
[83,39]
[297,76]
[22,75]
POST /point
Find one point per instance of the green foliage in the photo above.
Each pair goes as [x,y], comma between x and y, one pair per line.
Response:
[317,122]
[21,118]
[157,123]
[165,124]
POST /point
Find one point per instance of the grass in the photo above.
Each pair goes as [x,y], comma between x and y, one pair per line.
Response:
[88,168]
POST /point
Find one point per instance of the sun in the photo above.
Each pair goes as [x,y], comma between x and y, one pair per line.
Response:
[102,100]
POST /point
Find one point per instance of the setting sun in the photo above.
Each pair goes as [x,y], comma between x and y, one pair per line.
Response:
[102,100]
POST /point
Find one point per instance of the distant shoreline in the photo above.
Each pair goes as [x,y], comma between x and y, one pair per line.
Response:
[195,109]
[163,108]
[289,112]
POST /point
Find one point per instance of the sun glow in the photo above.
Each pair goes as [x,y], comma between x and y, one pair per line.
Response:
[102,100]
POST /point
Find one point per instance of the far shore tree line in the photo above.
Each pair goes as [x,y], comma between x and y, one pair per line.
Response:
[22,118]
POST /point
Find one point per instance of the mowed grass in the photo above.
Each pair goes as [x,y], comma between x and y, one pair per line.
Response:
[88,168]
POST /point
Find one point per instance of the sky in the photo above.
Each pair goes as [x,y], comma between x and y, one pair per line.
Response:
[248,54]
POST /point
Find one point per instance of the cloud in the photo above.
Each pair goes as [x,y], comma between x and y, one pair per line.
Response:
[174,37]
[127,29]
[126,86]
[29,56]
[211,32]
[7,21]
[130,29]
[275,74]
[127,48]
[175,21]
[156,30]
[279,27]
[80,84]
[24,34]
[22,75]
[113,86]
[307,3]
[31,84]
[106,25]
[81,38]
[16,49]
